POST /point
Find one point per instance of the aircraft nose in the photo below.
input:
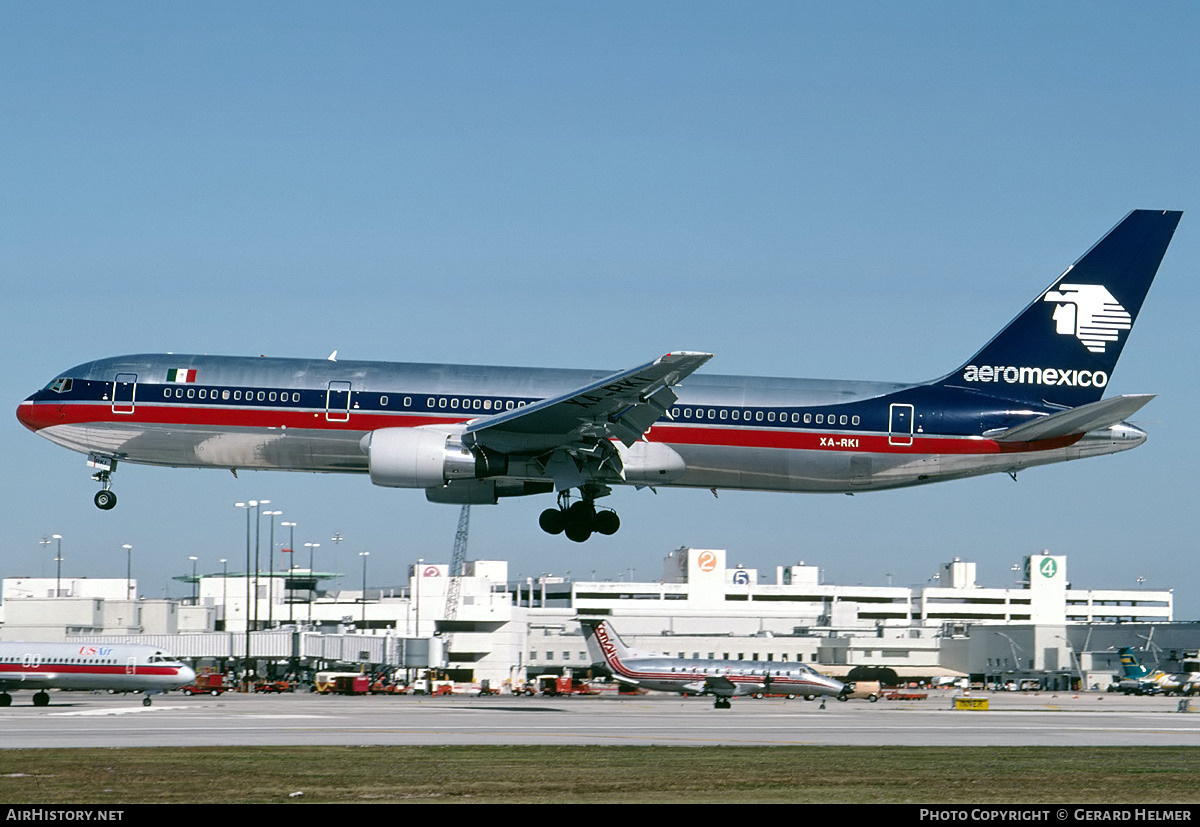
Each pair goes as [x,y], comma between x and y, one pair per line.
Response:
[26,414]
[186,675]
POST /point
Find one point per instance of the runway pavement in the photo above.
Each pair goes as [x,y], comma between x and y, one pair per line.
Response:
[1050,719]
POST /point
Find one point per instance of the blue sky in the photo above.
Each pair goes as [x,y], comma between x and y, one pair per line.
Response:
[864,190]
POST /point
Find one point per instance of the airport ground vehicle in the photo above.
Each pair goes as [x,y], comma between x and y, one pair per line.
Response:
[867,690]
[271,687]
[904,695]
[563,685]
[208,683]
[555,685]
[424,686]
[351,685]
[324,682]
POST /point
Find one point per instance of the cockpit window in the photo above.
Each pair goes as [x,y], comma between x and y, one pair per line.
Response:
[60,385]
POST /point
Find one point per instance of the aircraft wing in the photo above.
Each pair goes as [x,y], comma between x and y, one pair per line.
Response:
[622,406]
[723,687]
[1101,414]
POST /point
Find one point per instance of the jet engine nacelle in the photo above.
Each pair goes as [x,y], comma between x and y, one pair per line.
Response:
[424,458]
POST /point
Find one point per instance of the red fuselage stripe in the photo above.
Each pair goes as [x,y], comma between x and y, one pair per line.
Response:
[86,669]
[44,415]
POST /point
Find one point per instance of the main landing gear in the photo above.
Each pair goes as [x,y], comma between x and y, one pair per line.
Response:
[580,519]
[105,499]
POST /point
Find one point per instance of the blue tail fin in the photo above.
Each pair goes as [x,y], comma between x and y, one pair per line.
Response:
[1063,347]
[1131,668]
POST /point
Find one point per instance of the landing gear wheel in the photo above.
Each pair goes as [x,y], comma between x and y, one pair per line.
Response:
[146,701]
[105,498]
[606,523]
[553,521]
[721,703]
[578,533]
[41,699]
[579,520]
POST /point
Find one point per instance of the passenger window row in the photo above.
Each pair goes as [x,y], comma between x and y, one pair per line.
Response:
[747,415]
[453,403]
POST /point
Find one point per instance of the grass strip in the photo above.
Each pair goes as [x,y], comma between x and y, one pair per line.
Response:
[614,774]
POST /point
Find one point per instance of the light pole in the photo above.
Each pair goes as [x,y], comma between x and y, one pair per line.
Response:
[195,583]
[417,601]
[224,593]
[336,539]
[45,541]
[271,571]
[364,555]
[257,546]
[246,666]
[312,547]
[291,553]
[128,571]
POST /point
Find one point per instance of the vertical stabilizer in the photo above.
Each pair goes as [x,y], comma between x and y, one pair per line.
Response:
[605,645]
[1063,347]
[1131,667]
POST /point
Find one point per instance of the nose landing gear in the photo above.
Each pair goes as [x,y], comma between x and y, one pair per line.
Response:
[578,520]
[105,499]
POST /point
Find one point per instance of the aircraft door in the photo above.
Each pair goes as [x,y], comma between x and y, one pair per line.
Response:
[123,392]
[131,667]
[900,424]
[337,402]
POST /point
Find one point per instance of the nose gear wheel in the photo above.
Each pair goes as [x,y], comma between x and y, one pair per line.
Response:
[105,498]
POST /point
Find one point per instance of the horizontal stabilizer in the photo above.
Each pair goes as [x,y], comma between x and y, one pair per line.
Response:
[1102,414]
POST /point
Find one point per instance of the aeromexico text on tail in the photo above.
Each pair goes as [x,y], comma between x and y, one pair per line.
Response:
[1033,395]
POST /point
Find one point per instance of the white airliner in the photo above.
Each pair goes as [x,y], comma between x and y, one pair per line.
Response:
[723,679]
[119,668]
[470,434]
[1141,680]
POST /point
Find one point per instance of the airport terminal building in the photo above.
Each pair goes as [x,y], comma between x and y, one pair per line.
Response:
[483,626]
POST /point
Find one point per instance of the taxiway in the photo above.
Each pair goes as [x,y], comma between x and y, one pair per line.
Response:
[1063,719]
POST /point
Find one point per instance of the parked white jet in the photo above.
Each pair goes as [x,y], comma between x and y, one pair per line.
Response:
[723,679]
[119,668]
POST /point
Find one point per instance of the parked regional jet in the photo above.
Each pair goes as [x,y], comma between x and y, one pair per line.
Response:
[119,668]
[465,434]
[722,679]
[1140,680]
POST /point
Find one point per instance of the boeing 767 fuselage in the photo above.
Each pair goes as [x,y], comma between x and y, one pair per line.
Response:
[1031,396]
